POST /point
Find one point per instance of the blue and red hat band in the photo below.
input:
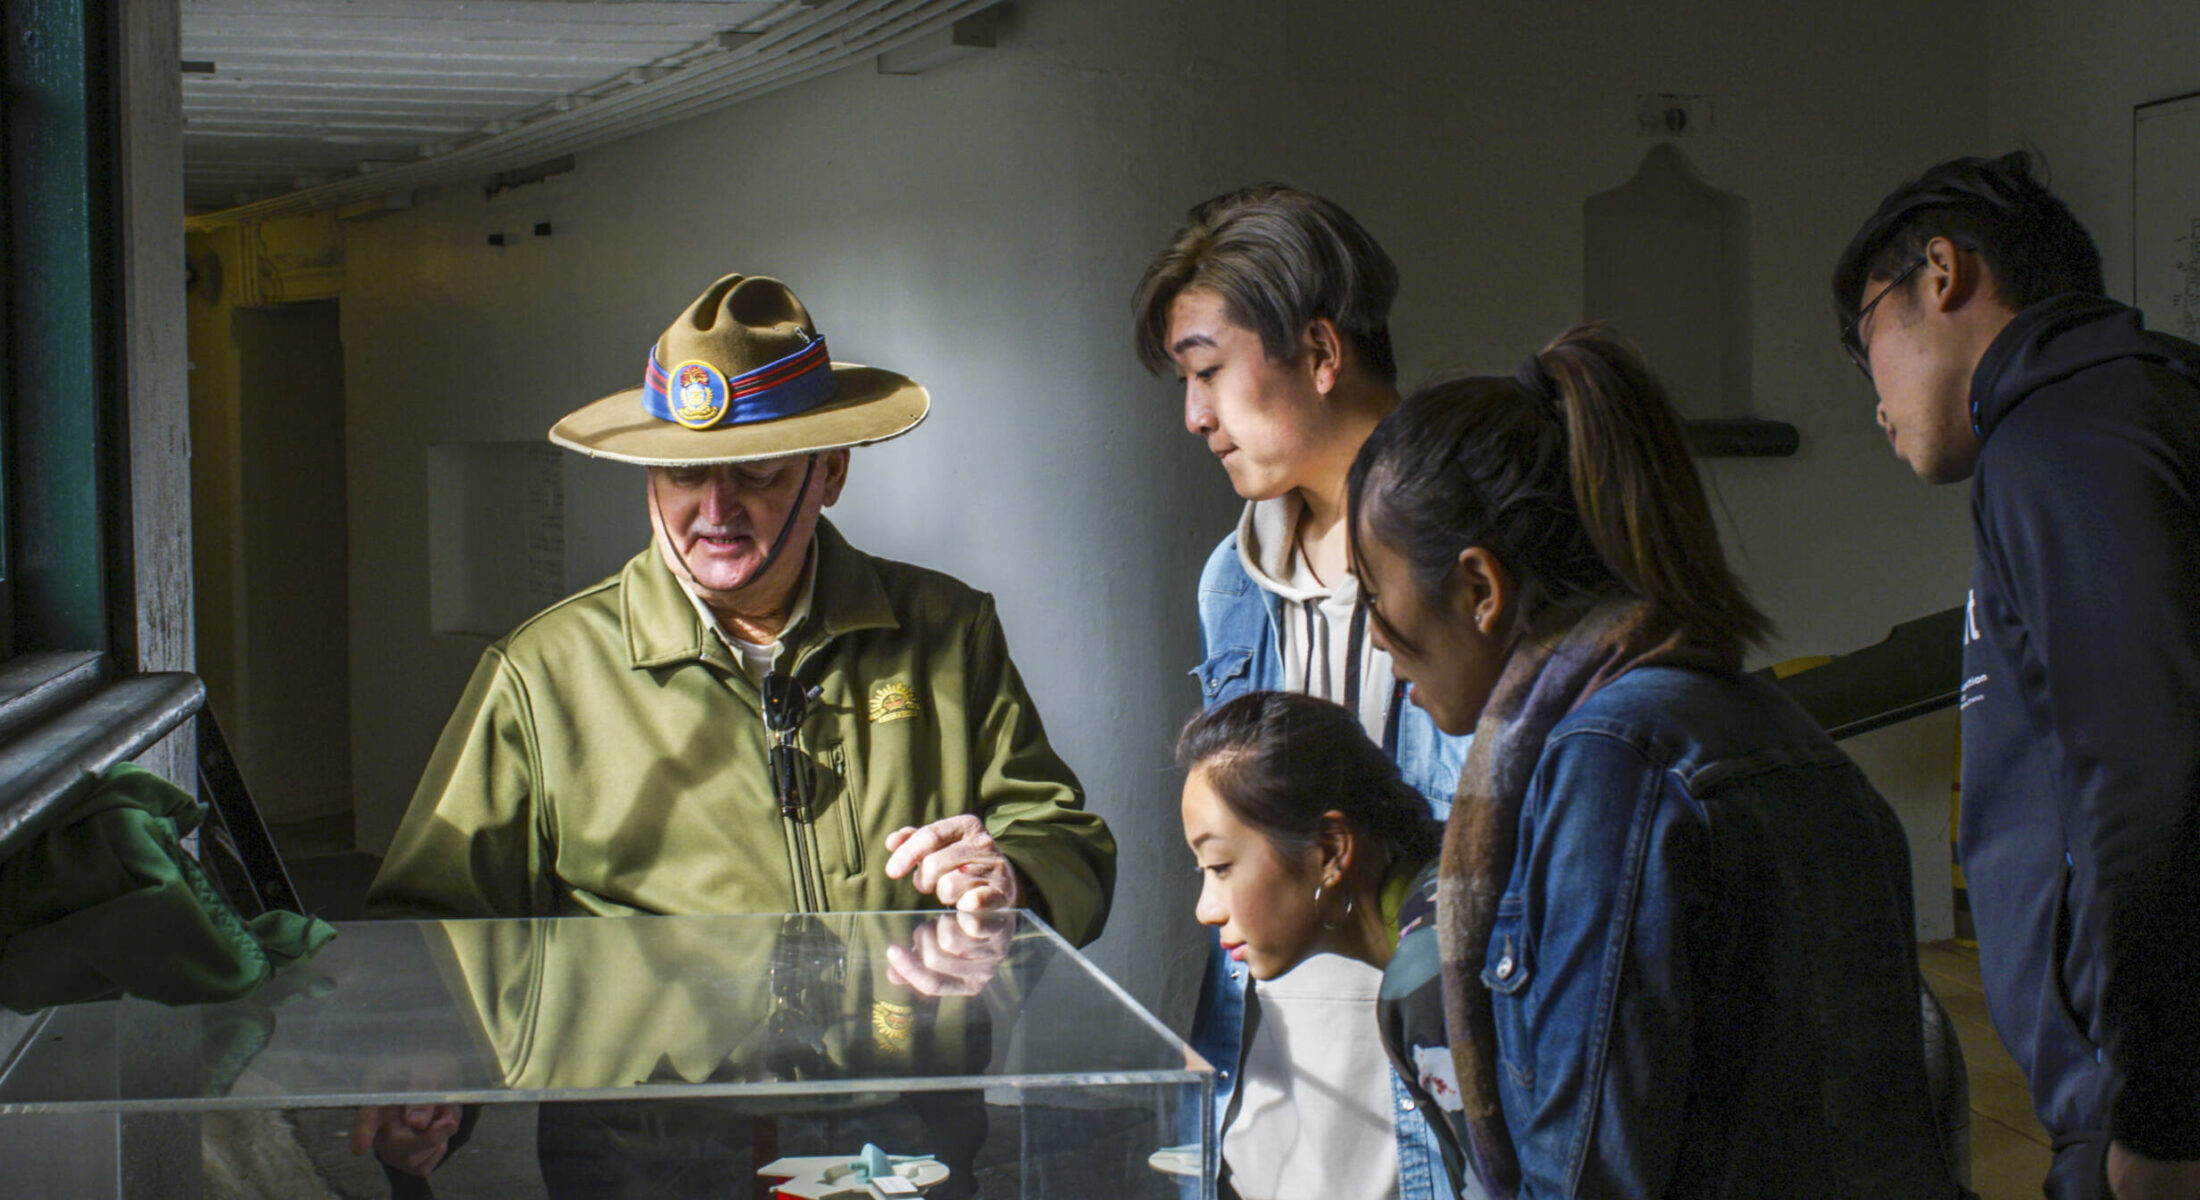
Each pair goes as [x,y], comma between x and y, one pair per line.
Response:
[696,395]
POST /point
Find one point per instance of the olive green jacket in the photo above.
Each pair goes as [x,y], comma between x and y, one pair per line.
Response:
[609,756]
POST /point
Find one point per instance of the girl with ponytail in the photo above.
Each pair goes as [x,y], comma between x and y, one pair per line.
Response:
[1673,924]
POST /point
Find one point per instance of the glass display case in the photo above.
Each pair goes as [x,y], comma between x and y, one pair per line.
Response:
[659,1056]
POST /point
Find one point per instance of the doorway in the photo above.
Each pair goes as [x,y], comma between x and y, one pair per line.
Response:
[269,518]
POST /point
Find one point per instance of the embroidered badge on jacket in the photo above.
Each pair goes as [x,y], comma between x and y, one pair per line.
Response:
[892,701]
[890,1025]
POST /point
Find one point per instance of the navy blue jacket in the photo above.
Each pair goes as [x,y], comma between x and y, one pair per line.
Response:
[2081,725]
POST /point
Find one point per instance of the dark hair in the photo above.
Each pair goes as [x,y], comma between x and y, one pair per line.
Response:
[1575,474]
[2029,239]
[1279,258]
[1279,760]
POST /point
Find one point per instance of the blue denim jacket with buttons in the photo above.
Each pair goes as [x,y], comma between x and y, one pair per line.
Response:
[1240,627]
[1704,964]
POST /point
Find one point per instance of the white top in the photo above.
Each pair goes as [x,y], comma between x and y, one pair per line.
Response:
[1319,653]
[1315,1122]
[1316,1117]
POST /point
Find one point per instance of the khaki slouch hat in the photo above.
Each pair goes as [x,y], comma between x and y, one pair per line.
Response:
[743,374]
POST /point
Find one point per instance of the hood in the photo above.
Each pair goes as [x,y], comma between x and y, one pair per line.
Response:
[2059,337]
[1265,546]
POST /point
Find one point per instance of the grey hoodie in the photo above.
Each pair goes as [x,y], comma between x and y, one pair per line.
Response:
[1324,639]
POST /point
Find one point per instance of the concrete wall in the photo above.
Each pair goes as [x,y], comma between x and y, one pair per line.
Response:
[156,360]
[981,228]
[217,539]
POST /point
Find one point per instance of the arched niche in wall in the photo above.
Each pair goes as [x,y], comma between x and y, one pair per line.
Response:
[1666,260]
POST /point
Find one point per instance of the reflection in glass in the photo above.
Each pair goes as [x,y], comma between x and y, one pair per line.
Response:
[652,1046]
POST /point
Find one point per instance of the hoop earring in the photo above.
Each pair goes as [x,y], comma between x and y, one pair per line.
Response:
[1325,922]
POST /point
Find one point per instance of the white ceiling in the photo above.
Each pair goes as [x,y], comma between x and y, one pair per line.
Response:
[310,103]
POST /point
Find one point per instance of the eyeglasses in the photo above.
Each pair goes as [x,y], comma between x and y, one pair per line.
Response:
[1851,333]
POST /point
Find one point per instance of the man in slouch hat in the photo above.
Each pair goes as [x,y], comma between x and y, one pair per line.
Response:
[752,715]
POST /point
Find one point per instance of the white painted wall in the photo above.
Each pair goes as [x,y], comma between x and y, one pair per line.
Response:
[981,228]
[2064,81]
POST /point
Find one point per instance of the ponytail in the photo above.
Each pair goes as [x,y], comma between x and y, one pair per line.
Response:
[1575,474]
[1636,488]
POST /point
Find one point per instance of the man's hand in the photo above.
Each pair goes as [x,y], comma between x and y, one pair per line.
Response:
[2133,1177]
[954,954]
[957,861]
[412,1138]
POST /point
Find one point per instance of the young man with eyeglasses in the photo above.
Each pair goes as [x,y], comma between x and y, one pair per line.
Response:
[1973,302]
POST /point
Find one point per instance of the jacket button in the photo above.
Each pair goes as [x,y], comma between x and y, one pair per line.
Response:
[1405,1106]
[1505,967]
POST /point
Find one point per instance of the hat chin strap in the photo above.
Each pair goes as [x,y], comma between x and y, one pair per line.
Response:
[787,526]
[771,556]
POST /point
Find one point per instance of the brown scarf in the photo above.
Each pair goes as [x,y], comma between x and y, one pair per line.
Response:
[1542,681]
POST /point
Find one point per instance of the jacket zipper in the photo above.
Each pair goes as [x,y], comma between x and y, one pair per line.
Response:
[795,819]
[806,895]
[810,889]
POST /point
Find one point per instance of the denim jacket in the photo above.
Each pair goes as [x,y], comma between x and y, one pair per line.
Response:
[1704,964]
[1241,638]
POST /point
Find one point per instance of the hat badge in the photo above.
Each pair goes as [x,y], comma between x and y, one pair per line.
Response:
[700,394]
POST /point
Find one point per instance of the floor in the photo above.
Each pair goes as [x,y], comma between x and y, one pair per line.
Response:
[2009,1149]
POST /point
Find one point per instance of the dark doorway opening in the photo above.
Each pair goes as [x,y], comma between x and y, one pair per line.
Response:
[274,637]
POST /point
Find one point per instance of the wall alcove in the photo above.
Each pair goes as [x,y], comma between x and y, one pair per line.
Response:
[1666,260]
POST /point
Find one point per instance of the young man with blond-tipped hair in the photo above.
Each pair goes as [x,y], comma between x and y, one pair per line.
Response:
[1272,305]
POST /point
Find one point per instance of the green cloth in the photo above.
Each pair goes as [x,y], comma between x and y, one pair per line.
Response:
[608,757]
[107,902]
